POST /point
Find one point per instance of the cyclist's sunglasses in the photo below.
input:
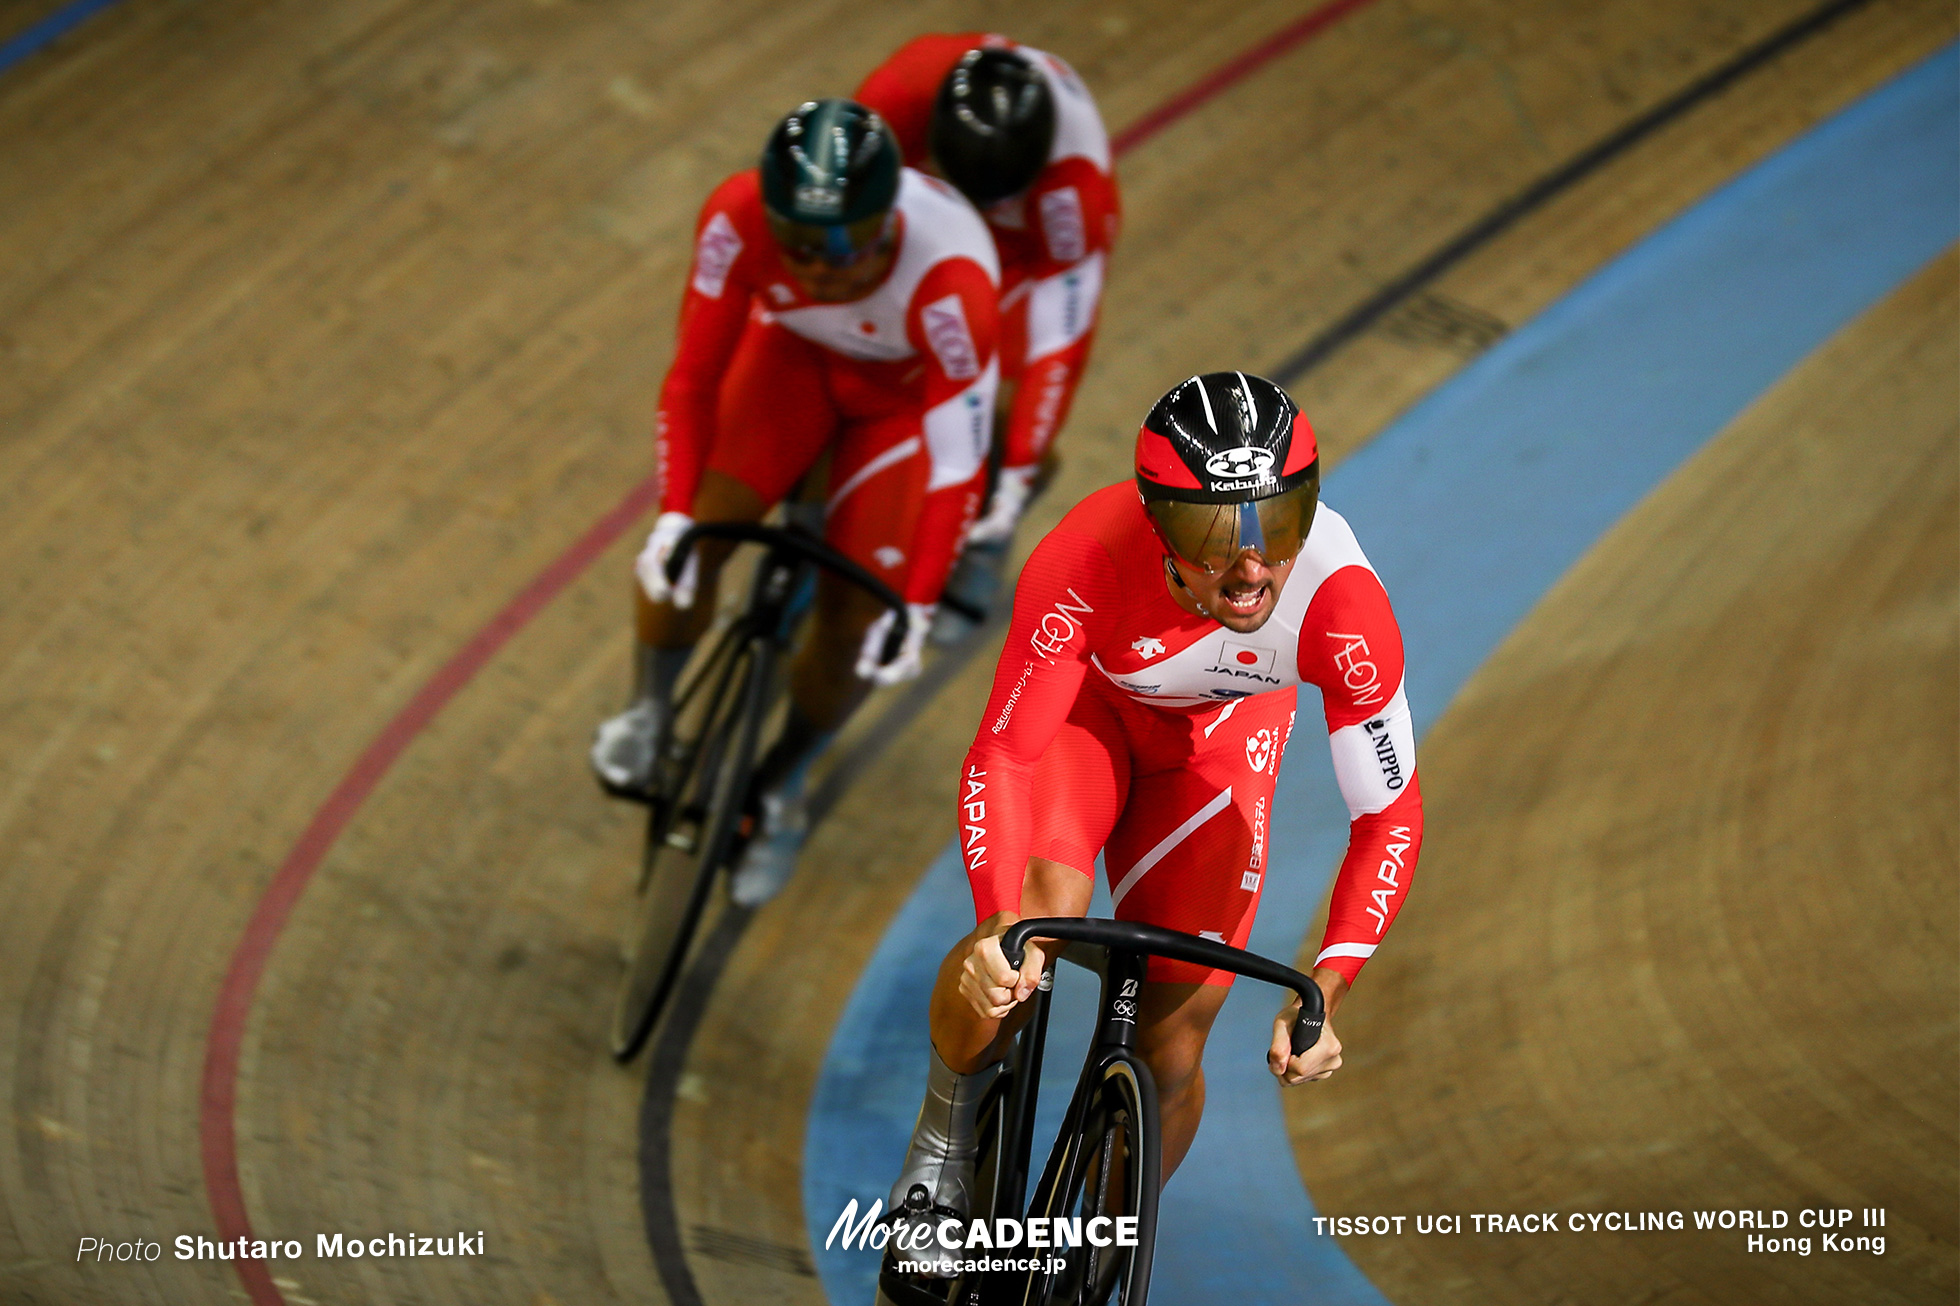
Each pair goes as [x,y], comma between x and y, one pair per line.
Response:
[838,245]
[1211,536]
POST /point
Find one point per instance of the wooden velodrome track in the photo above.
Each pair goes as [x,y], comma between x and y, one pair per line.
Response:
[327,328]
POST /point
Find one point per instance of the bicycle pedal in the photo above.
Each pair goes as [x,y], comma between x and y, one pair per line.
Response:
[912,1290]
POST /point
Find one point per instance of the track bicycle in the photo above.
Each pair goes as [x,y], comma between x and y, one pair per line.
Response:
[1105,1162]
[699,808]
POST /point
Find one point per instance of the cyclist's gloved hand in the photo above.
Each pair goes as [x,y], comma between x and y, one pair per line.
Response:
[651,566]
[911,653]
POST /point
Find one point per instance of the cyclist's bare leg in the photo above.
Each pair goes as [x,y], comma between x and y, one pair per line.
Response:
[822,683]
[966,1040]
[1171,1031]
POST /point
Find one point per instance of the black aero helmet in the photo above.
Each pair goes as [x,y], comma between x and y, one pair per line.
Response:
[829,174]
[1226,462]
[992,125]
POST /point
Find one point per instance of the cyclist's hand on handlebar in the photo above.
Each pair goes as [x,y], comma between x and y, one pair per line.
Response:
[871,664]
[1322,1059]
[651,565]
[993,987]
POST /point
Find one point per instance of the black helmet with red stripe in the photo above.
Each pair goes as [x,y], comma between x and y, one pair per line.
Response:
[1225,462]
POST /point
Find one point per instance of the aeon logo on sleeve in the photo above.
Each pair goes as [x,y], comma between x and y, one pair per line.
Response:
[1062,225]
[714,254]
[1242,463]
[1358,671]
[946,331]
[1059,625]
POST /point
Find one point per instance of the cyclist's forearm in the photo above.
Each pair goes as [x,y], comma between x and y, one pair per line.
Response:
[1373,882]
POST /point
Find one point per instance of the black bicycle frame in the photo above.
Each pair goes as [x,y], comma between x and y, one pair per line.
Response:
[1126,947]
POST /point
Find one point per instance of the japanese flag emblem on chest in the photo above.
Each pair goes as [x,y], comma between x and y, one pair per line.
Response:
[1222,665]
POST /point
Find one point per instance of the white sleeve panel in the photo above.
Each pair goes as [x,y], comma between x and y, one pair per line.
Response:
[1374,761]
[1062,308]
[959,430]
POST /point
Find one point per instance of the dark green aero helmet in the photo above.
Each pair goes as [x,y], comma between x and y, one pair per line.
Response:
[830,163]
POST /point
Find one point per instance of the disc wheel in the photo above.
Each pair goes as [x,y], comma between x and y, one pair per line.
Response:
[689,835]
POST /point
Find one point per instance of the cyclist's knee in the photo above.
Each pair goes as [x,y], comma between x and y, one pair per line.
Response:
[1177,1020]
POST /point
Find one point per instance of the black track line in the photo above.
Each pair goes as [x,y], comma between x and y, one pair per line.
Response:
[1487,228]
[669,1051]
[666,1057]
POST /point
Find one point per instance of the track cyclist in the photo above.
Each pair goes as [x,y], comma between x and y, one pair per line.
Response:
[838,302]
[1140,709]
[1017,132]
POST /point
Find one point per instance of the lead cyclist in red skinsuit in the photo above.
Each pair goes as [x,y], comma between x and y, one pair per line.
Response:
[1017,132]
[1140,708]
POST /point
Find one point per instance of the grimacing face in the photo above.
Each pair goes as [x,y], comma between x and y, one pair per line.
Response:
[1241,597]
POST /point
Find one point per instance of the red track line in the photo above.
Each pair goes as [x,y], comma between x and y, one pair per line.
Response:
[218,1095]
[220,1089]
[1237,70]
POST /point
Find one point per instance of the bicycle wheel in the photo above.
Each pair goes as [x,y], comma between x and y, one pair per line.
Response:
[1113,1171]
[689,838]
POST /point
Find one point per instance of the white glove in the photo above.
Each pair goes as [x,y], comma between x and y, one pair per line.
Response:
[910,657]
[651,565]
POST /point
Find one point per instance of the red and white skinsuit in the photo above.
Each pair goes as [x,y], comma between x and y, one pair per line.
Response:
[1121,723]
[1054,238]
[899,384]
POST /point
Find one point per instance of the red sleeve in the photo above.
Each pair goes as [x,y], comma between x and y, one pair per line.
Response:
[1351,648]
[729,245]
[1063,608]
[1073,209]
[902,89]
[952,322]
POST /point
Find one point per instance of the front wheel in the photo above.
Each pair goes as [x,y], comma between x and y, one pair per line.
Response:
[687,841]
[1112,1177]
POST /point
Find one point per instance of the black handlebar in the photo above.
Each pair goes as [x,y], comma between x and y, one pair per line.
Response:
[808,546]
[1157,941]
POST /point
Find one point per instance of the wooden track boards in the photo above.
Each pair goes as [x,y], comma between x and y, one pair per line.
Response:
[329,325]
[1696,829]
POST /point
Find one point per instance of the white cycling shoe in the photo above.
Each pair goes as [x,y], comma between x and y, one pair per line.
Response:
[771,855]
[624,747]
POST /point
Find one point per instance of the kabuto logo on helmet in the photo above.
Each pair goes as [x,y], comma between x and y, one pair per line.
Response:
[1240,463]
[820,201]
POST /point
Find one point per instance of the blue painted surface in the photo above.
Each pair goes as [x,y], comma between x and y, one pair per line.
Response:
[1470,507]
[50,29]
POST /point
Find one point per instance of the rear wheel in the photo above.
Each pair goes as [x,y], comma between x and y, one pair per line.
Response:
[690,833]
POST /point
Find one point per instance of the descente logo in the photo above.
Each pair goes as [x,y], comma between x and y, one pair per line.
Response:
[953,1235]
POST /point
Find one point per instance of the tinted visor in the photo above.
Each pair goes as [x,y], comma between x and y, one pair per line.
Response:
[1210,536]
[839,244]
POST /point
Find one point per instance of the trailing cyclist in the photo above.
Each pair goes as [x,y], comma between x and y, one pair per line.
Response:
[1140,709]
[1017,132]
[838,302]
